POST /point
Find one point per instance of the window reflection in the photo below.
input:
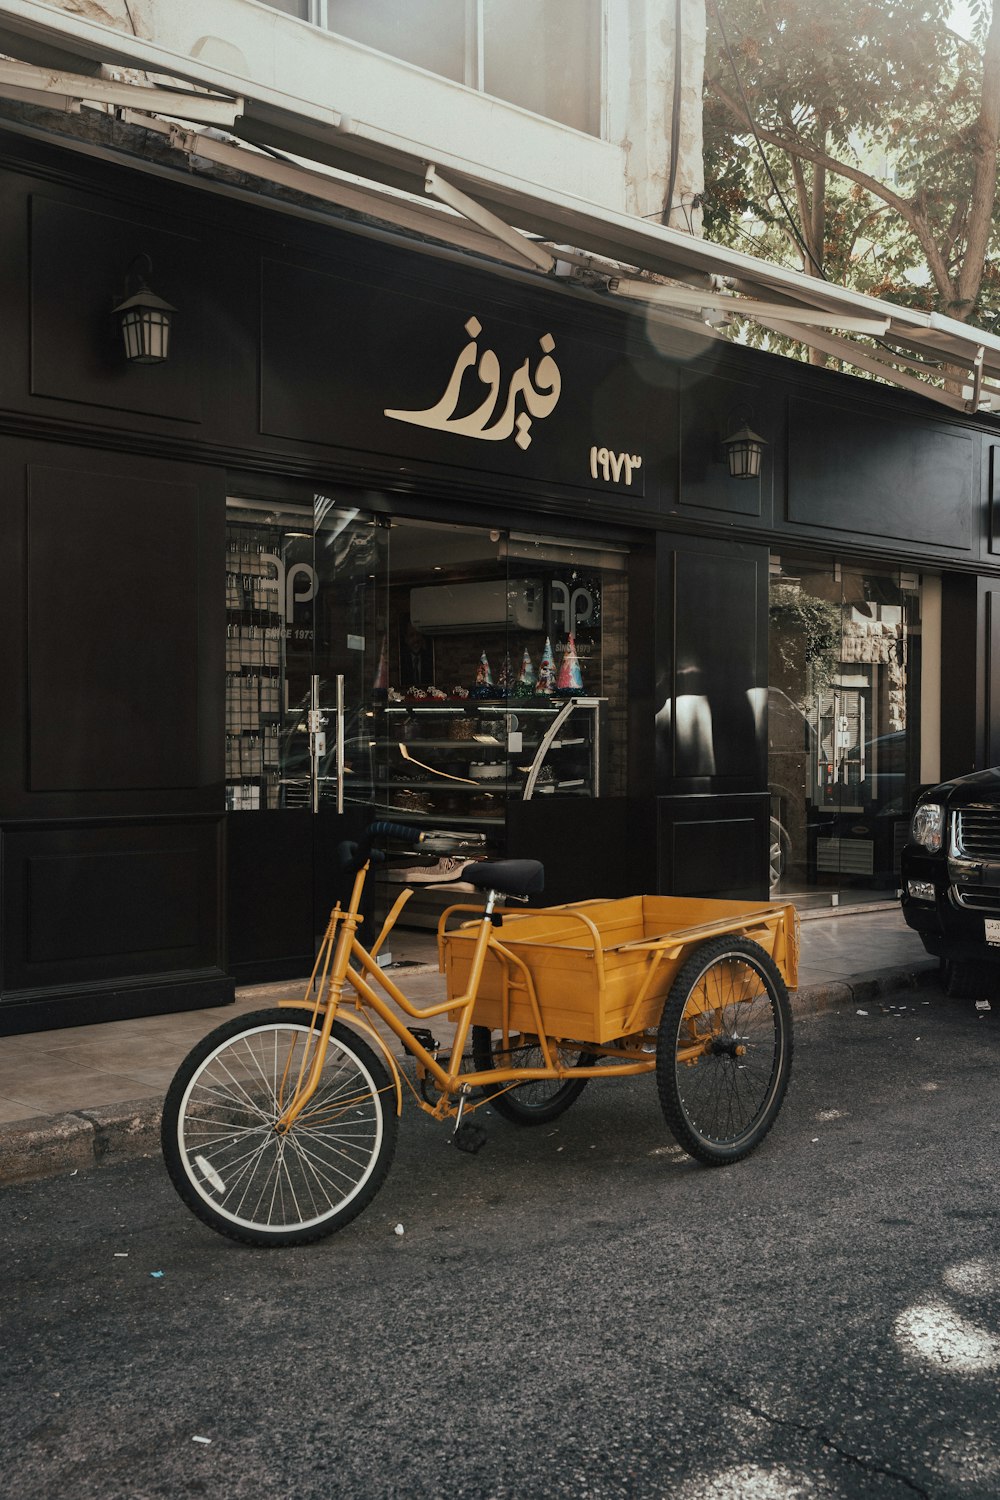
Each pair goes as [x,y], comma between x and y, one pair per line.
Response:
[843,725]
[545,57]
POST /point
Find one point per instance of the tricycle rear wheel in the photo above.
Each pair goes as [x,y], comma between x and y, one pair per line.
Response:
[724,1050]
[539,1099]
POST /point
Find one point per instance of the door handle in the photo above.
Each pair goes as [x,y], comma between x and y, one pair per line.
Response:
[340,744]
[317,740]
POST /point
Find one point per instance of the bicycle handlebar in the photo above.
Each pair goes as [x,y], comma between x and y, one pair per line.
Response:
[351,854]
[383,830]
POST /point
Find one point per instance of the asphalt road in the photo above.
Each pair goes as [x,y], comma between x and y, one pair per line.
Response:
[579,1310]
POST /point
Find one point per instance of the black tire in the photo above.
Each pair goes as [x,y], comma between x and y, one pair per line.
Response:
[538,1100]
[721,1104]
[232,1169]
[967,979]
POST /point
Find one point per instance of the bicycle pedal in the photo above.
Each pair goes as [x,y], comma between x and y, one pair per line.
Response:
[426,1038]
[470,1138]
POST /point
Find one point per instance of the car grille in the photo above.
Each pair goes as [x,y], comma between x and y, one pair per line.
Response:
[977,832]
[977,898]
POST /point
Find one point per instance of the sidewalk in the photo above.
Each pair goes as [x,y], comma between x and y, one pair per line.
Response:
[87,1095]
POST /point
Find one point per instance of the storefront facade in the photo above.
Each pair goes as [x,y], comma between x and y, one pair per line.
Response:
[483,531]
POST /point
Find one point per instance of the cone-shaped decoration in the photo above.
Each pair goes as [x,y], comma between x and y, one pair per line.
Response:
[483,687]
[570,676]
[525,686]
[381,683]
[547,669]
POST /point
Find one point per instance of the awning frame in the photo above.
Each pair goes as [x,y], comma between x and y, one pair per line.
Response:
[693,284]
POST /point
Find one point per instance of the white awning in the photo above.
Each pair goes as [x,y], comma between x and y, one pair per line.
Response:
[356,165]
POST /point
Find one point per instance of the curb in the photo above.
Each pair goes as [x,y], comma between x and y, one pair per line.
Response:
[818,998]
[53,1145]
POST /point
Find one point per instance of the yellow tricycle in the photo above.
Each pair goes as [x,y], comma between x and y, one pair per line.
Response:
[280,1126]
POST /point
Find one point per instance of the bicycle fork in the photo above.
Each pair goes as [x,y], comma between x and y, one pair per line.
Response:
[332,979]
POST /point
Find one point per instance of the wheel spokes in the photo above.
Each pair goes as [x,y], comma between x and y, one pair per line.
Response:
[244,1166]
[726,1087]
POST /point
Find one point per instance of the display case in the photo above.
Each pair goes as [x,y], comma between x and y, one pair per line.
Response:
[455,765]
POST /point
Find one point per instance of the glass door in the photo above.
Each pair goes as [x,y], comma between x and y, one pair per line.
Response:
[348,664]
[303,584]
[441,743]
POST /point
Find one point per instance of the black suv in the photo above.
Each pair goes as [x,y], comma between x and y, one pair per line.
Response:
[951,878]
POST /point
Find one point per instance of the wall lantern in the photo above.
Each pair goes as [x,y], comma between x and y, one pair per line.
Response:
[744,451]
[144,317]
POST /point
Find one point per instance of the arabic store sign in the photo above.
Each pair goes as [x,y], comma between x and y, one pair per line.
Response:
[479,402]
[518,389]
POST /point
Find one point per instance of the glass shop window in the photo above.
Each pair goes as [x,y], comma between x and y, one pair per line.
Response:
[843,725]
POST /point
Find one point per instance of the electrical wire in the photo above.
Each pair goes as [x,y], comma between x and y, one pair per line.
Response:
[675,117]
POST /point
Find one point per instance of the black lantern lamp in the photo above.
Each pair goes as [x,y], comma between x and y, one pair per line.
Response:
[144,317]
[744,451]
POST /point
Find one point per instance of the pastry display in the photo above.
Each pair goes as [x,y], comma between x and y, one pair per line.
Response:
[486,770]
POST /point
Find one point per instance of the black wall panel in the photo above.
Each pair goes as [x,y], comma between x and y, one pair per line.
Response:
[962,664]
[112,640]
[606,853]
[112,635]
[711,630]
[80,264]
[871,473]
[992,481]
[284,877]
[113,631]
[992,708]
[713,846]
[711,411]
[83,903]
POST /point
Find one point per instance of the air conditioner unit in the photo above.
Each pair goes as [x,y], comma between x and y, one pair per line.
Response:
[493,604]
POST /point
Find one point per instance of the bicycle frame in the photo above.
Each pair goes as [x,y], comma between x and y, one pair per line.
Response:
[344,960]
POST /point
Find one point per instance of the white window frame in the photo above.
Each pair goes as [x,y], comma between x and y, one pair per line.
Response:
[318,14]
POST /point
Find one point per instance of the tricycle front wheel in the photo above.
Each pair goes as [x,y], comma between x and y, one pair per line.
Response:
[724,1050]
[539,1099]
[228,1158]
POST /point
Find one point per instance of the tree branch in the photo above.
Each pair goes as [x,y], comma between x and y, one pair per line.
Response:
[984,179]
[909,211]
[795,146]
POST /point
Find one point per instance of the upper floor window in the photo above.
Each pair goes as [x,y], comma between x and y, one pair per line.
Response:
[544,55]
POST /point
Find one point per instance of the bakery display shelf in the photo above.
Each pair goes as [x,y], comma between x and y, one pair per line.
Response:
[436,744]
[549,787]
[441,819]
[443,788]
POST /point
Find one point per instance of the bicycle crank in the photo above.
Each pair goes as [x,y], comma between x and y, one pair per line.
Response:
[466,1136]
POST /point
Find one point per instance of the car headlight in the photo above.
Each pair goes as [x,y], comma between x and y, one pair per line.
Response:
[927,828]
